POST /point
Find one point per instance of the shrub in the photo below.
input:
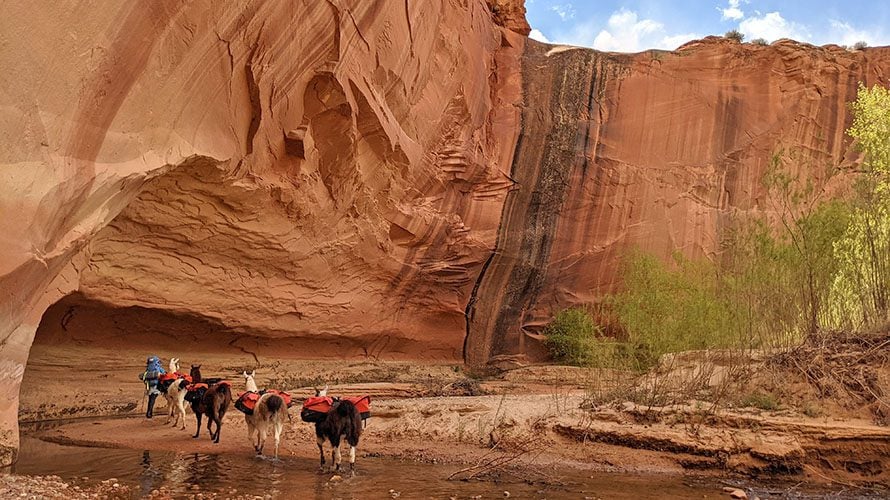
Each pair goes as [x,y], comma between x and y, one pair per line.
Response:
[572,337]
[671,307]
[762,400]
[813,410]
[861,289]
[759,41]
[859,45]
[734,35]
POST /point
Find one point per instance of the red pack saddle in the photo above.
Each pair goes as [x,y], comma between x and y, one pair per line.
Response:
[247,401]
[315,408]
[175,376]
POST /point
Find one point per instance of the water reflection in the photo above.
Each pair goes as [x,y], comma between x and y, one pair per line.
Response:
[186,473]
[150,478]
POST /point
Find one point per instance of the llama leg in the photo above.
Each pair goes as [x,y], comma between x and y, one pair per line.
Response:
[209,428]
[218,421]
[337,458]
[277,437]
[352,460]
[174,409]
[250,430]
[262,433]
[182,412]
[321,454]
[198,430]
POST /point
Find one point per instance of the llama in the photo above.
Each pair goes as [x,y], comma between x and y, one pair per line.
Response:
[195,373]
[270,410]
[174,392]
[209,398]
[342,420]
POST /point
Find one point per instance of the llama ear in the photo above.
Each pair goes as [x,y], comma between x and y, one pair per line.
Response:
[253,373]
[244,374]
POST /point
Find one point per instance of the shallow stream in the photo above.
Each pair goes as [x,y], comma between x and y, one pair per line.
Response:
[292,477]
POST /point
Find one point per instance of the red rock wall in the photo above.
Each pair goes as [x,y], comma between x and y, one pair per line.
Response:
[400,179]
[652,151]
[282,168]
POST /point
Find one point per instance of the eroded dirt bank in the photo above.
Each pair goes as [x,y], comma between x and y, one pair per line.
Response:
[530,418]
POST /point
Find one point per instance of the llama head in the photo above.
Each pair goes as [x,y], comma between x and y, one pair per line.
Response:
[321,392]
[249,382]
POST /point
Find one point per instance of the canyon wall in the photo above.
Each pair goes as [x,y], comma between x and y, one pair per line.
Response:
[392,179]
[326,170]
[652,151]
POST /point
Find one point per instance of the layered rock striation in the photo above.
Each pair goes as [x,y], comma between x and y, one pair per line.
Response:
[380,179]
[306,169]
[653,151]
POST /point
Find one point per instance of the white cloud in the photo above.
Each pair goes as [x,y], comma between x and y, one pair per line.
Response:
[843,33]
[772,26]
[537,35]
[565,12]
[624,32]
[671,42]
[732,11]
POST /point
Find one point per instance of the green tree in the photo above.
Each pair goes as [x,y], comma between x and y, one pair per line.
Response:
[871,129]
[810,225]
[572,337]
[861,289]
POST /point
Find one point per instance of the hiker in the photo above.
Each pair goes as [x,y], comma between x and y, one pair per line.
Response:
[150,377]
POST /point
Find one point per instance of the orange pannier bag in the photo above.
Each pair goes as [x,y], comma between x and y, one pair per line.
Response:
[362,404]
[315,408]
[288,400]
[247,402]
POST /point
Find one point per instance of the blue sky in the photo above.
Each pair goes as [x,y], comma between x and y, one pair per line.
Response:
[636,25]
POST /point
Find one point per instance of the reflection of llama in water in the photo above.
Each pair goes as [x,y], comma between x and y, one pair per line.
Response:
[151,477]
[204,470]
[180,469]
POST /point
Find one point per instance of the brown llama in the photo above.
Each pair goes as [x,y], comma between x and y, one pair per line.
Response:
[211,399]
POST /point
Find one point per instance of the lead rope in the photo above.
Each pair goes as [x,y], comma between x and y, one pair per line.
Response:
[144,392]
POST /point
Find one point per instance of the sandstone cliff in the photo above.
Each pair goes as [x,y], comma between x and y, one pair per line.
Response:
[394,179]
[652,151]
[330,170]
